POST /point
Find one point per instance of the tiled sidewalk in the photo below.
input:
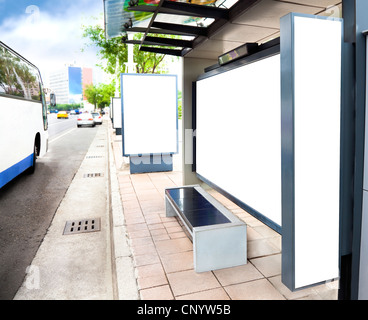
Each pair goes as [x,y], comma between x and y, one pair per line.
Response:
[163,254]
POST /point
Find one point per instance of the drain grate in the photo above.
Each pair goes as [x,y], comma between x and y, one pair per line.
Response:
[82,226]
[93,157]
[93,175]
[100,146]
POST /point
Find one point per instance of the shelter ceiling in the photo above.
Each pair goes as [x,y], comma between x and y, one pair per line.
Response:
[210,27]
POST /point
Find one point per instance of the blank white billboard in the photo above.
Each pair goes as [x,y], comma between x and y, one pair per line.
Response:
[317,105]
[238,134]
[116,111]
[149,107]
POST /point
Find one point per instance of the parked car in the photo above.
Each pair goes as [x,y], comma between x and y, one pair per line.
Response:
[97,117]
[62,115]
[72,112]
[85,119]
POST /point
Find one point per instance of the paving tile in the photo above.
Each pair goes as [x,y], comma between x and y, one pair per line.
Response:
[152,216]
[237,274]
[157,202]
[171,224]
[135,220]
[130,204]
[177,261]
[145,249]
[157,293]
[146,259]
[143,187]
[189,281]
[125,184]
[128,196]
[269,266]
[153,209]
[276,282]
[328,294]
[136,242]
[124,178]
[174,229]
[137,227]
[253,222]
[153,221]
[160,237]
[149,195]
[149,282]
[156,226]
[261,247]
[253,234]
[158,231]
[212,294]
[139,234]
[276,242]
[132,211]
[254,290]
[173,246]
[151,270]
[166,219]
[177,235]
[266,231]
[125,190]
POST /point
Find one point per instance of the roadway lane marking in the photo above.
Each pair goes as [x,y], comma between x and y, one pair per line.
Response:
[67,132]
[61,121]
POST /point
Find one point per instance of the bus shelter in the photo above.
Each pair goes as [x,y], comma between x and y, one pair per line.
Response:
[271,118]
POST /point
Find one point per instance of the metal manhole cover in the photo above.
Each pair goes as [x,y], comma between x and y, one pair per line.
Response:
[82,226]
[93,175]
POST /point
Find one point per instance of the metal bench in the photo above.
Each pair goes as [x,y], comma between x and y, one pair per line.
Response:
[219,238]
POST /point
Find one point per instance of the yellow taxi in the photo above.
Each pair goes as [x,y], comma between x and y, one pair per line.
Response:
[62,115]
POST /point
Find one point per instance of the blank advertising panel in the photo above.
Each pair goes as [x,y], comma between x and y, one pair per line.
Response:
[238,135]
[311,115]
[149,113]
[116,112]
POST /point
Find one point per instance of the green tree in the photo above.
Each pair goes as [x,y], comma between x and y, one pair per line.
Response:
[107,91]
[100,95]
[91,93]
[147,62]
[115,53]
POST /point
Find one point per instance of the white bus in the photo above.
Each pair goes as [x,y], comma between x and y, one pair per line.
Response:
[23,115]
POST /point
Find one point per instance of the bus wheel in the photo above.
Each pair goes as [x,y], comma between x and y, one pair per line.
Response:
[32,168]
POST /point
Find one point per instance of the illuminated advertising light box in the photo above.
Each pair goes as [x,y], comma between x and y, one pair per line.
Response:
[149,114]
[116,113]
[311,49]
[238,136]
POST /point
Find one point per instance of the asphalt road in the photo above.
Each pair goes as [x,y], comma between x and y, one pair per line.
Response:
[60,126]
[29,202]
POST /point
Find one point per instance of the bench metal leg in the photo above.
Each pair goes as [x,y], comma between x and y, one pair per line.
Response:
[217,248]
[170,212]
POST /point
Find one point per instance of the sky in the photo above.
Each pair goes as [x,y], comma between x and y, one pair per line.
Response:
[48,33]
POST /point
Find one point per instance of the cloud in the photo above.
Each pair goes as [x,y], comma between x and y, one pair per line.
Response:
[50,35]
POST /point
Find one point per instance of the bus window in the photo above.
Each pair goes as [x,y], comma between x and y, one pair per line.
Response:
[17,78]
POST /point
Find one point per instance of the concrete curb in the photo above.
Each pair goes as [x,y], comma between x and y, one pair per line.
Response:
[126,287]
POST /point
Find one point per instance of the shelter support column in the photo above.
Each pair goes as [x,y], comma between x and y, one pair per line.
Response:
[355,19]
[192,68]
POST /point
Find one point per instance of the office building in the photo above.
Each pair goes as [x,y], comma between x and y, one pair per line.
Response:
[69,83]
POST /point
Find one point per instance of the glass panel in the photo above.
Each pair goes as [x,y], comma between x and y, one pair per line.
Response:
[186,20]
[117,14]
